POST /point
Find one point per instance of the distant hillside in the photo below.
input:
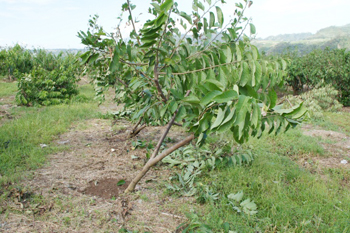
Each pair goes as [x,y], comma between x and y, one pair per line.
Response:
[332,32]
[332,37]
[289,37]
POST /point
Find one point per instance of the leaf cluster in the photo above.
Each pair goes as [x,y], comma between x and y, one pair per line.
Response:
[209,77]
[197,162]
[45,87]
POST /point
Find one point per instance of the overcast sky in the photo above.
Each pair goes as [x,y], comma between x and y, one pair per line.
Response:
[55,23]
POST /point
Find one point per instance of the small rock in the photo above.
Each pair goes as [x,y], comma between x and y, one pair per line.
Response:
[112,149]
[343,161]
[43,145]
[63,142]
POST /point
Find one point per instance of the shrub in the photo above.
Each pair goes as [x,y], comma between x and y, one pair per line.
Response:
[318,100]
[321,66]
[15,61]
[47,87]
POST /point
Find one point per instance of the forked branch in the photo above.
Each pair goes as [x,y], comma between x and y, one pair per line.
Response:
[155,160]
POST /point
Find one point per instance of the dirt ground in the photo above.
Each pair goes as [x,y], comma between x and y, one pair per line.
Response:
[78,188]
[5,107]
[336,145]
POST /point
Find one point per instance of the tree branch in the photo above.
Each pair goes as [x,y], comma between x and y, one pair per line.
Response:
[155,160]
[206,68]
[132,21]
[133,64]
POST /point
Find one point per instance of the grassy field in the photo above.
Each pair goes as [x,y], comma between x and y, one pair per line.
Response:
[289,197]
[20,138]
[293,191]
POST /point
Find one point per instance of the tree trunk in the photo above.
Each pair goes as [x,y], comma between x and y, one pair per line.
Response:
[155,160]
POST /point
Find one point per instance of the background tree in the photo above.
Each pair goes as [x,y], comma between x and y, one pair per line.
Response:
[320,68]
[206,77]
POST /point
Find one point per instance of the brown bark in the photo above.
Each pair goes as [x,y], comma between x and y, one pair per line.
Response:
[155,160]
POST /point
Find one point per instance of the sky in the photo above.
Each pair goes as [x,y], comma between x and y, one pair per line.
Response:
[53,24]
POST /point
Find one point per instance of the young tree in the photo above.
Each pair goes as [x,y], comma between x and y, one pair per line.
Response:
[206,77]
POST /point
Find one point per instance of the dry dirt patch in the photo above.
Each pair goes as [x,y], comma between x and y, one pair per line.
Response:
[80,185]
[336,144]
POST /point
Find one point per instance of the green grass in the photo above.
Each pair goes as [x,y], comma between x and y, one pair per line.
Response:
[8,89]
[20,138]
[336,121]
[289,197]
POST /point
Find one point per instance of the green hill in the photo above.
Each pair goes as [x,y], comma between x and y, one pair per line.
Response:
[332,37]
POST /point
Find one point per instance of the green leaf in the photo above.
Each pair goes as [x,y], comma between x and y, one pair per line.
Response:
[258,73]
[191,99]
[220,15]
[115,60]
[162,18]
[200,6]
[226,96]
[121,182]
[148,44]
[256,115]
[219,118]
[166,5]
[211,20]
[243,109]
[245,77]
[227,123]
[85,56]
[173,106]
[149,38]
[93,58]
[213,85]
[236,197]
[273,98]
[209,97]
[298,112]
[205,25]
[252,29]
[186,16]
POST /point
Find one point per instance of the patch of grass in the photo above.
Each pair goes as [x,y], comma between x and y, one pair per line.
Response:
[335,121]
[86,94]
[8,89]
[289,197]
[20,138]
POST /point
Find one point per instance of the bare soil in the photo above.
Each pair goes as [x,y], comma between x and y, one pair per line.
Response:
[6,104]
[336,144]
[77,190]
